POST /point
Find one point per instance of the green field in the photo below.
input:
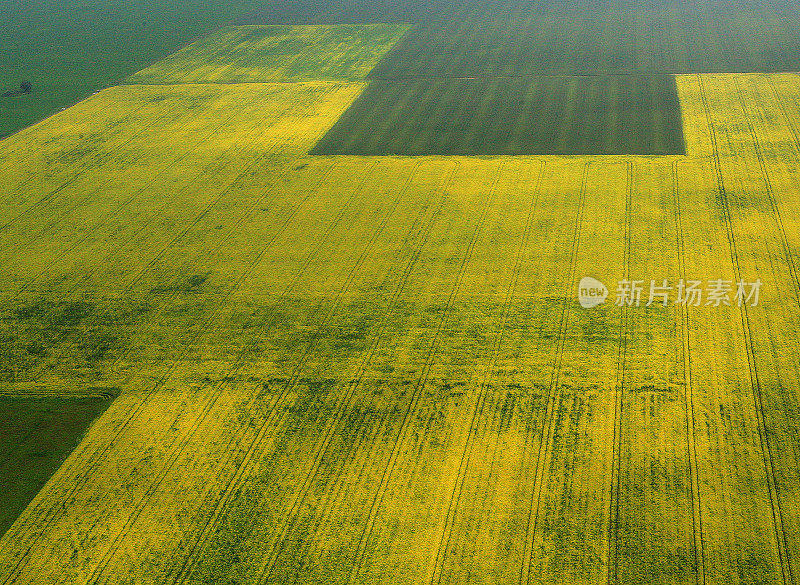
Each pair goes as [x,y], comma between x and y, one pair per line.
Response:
[252,54]
[630,114]
[375,369]
[520,38]
[37,433]
[544,77]
[68,49]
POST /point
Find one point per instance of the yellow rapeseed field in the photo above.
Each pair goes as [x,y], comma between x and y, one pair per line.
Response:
[250,54]
[375,369]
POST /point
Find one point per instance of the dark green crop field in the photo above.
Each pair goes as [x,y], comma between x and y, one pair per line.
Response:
[586,38]
[441,108]
[68,49]
[535,115]
[472,38]
[36,435]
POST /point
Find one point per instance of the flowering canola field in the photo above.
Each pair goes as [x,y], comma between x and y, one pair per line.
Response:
[347,369]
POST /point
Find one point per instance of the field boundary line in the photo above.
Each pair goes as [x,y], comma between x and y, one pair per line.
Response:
[768,182]
[688,388]
[209,205]
[548,420]
[59,394]
[55,508]
[433,348]
[625,334]
[266,568]
[310,81]
[755,385]
[527,76]
[465,460]
[175,453]
[228,492]
[99,189]
[360,373]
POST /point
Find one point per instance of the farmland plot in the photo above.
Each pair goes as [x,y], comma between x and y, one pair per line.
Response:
[536,115]
[38,432]
[247,54]
[524,38]
[361,369]
[514,77]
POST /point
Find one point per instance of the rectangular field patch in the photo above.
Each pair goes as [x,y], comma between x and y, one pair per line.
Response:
[542,115]
[257,54]
[472,38]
